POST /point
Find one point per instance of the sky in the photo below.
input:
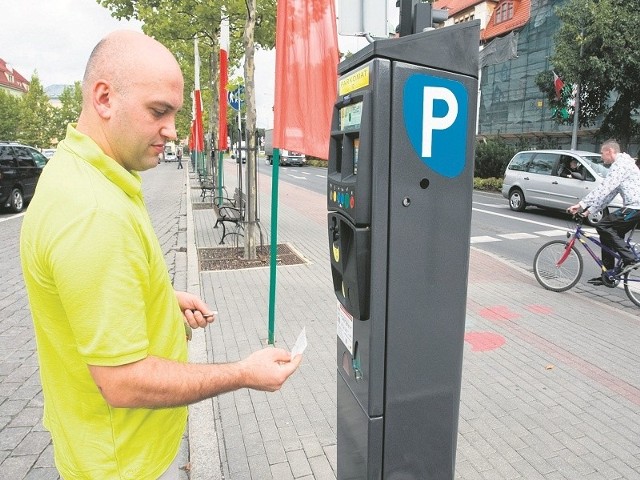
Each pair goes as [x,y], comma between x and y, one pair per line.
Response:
[54,39]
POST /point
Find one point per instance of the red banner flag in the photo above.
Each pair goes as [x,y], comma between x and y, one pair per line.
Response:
[224,66]
[197,130]
[558,84]
[306,75]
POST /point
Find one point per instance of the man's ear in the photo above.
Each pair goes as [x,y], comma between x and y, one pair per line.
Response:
[102,101]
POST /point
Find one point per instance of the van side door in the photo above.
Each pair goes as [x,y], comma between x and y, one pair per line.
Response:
[541,171]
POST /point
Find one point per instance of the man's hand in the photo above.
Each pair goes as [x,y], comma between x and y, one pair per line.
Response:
[577,208]
[267,369]
[196,312]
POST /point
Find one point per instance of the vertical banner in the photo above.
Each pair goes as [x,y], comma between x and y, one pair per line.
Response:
[224,65]
[306,74]
[197,129]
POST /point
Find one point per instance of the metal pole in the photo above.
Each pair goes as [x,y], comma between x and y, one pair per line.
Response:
[274,244]
[576,104]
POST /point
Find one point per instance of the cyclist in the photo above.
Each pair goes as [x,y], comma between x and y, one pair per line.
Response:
[623,178]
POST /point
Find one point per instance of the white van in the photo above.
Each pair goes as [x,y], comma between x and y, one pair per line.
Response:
[542,178]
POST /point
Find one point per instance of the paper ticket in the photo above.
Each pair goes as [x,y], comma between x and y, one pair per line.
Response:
[301,343]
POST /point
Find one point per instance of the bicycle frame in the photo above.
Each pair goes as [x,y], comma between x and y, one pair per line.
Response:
[580,235]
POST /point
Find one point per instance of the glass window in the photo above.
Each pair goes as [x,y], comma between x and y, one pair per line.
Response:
[24,158]
[39,158]
[521,161]
[544,163]
[504,11]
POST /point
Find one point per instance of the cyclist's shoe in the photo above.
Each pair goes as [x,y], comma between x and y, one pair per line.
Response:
[628,267]
[597,281]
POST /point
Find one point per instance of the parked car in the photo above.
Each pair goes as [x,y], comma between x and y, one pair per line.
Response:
[20,167]
[542,178]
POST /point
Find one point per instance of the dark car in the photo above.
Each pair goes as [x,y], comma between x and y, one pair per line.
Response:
[20,167]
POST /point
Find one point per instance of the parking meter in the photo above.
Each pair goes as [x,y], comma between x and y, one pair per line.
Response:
[400,181]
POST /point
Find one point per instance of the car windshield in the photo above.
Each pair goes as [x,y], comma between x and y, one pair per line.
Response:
[597,164]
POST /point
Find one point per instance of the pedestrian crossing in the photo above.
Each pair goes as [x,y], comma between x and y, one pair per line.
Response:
[524,235]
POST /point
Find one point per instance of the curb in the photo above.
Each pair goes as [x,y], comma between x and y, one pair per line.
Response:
[203,440]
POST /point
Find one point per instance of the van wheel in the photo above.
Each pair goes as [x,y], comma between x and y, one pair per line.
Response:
[17,201]
[516,200]
[594,218]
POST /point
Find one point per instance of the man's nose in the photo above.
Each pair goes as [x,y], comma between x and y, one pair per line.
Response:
[169,131]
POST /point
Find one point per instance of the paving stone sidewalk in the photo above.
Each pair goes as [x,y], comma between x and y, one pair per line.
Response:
[551,382]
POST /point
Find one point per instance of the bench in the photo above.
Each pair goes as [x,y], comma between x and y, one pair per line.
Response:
[206,185]
[230,210]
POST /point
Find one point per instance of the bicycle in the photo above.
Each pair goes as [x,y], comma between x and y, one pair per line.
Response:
[558,264]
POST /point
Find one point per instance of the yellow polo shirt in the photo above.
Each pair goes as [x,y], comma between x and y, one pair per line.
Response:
[100,294]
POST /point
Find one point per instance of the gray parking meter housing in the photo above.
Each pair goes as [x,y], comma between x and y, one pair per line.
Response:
[400,181]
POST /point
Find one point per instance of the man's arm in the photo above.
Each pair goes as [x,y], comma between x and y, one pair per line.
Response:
[158,383]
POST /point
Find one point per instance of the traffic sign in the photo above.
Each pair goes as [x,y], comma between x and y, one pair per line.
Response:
[234,97]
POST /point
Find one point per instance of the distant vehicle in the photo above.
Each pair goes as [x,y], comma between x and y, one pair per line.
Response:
[20,168]
[170,152]
[48,152]
[287,157]
[541,178]
[243,152]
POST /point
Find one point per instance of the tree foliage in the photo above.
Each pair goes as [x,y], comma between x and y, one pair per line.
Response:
[69,111]
[35,115]
[9,115]
[597,47]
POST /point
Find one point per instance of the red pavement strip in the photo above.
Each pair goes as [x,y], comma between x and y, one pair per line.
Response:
[483,341]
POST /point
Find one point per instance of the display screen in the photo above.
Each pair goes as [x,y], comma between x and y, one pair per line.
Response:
[350,116]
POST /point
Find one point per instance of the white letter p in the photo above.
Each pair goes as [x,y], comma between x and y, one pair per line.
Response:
[431,123]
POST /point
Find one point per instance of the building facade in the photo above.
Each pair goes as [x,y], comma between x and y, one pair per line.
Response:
[11,81]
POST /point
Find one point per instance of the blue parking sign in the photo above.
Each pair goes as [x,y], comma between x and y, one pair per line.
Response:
[435,118]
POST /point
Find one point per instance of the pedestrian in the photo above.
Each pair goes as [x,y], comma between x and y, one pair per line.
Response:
[624,179]
[179,157]
[110,328]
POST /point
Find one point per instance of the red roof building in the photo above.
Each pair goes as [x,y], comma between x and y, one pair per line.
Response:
[466,10]
[11,80]
[507,16]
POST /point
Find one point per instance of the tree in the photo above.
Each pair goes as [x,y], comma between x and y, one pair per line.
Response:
[597,47]
[69,111]
[10,106]
[35,116]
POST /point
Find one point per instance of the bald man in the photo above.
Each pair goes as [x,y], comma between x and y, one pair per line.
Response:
[110,328]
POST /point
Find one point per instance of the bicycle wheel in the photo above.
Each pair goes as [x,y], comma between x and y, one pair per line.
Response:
[557,268]
[632,285]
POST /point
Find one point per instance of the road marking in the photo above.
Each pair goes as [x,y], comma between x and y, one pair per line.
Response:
[525,235]
[321,176]
[515,218]
[295,176]
[492,205]
[484,239]
[551,233]
[17,215]
[517,236]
